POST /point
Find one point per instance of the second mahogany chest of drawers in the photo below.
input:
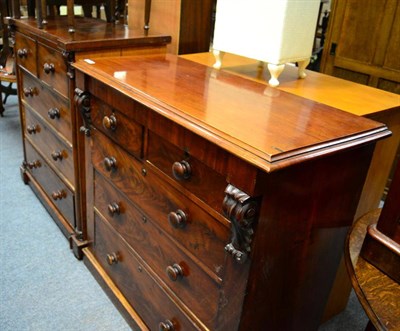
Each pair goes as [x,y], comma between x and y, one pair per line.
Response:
[214,202]
[46,81]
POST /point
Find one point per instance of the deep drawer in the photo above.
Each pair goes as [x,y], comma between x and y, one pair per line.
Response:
[25,52]
[51,106]
[51,147]
[58,193]
[52,69]
[124,131]
[143,293]
[202,235]
[174,267]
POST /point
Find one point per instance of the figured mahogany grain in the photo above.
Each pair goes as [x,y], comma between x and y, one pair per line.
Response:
[160,251]
[142,292]
[51,183]
[157,199]
[265,126]
[43,101]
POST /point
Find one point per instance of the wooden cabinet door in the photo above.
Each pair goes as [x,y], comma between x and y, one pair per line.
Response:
[363,43]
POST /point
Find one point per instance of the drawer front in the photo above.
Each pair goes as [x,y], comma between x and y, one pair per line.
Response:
[174,267]
[52,107]
[143,293]
[51,147]
[52,69]
[121,129]
[211,164]
[25,52]
[55,189]
[202,235]
[183,167]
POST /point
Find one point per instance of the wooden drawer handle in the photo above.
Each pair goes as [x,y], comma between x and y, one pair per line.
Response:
[58,195]
[166,326]
[114,208]
[48,68]
[110,163]
[112,258]
[175,272]
[57,155]
[182,170]
[32,129]
[29,91]
[33,165]
[178,219]
[54,113]
[110,122]
[22,52]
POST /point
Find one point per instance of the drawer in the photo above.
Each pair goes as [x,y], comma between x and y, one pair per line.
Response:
[52,69]
[212,167]
[52,148]
[202,235]
[51,106]
[56,190]
[124,131]
[25,52]
[191,173]
[174,267]
[144,294]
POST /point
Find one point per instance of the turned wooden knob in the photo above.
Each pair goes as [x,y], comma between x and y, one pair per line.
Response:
[166,326]
[33,165]
[48,68]
[174,272]
[32,129]
[112,258]
[54,113]
[29,91]
[58,195]
[110,163]
[23,52]
[110,122]
[178,219]
[181,170]
[114,208]
[57,155]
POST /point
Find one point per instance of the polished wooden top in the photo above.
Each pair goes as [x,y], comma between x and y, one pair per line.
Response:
[89,34]
[354,98]
[378,294]
[267,127]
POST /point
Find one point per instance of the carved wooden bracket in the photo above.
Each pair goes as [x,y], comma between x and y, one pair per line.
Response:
[69,58]
[82,103]
[241,210]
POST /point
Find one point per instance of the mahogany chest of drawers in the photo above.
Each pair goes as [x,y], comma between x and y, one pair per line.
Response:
[46,81]
[215,202]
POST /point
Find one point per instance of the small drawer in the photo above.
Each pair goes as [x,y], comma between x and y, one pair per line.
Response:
[174,267]
[147,297]
[51,106]
[55,189]
[201,234]
[124,131]
[25,52]
[50,145]
[52,69]
[183,167]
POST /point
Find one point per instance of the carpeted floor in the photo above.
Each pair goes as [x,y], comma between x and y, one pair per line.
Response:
[42,286]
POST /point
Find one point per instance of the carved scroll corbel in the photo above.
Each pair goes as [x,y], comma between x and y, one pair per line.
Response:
[241,210]
[82,103]
[69,58]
